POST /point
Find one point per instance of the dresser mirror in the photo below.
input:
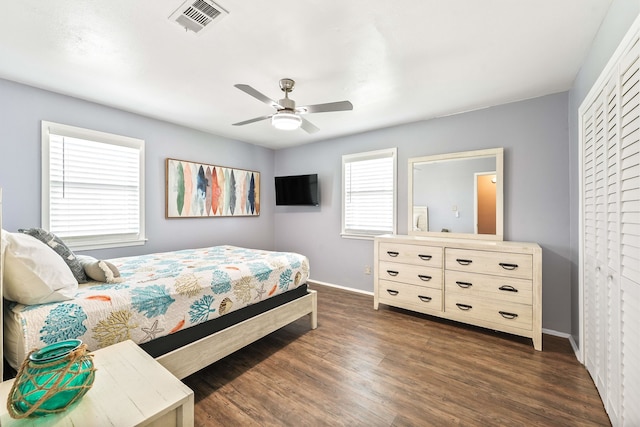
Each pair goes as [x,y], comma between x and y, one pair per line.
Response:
[457,195]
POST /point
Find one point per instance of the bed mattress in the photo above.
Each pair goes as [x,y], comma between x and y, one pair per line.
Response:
[161,294]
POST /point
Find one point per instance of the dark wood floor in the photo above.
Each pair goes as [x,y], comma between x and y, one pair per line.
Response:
[363,367]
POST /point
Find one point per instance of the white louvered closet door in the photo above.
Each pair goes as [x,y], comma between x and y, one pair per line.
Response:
[630,232]
[590,300]
[609,245]
[610,235]
[599,218]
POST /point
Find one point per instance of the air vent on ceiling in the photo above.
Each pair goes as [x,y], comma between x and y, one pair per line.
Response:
[197,15]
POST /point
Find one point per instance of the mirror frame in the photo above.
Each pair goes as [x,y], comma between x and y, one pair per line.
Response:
[499,155]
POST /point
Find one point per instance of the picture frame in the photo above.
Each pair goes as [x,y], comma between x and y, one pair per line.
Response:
[200,190]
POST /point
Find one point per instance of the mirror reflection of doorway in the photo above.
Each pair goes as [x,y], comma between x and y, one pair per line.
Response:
[485,203]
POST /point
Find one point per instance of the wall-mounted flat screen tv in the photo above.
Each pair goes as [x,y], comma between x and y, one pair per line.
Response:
[297,190]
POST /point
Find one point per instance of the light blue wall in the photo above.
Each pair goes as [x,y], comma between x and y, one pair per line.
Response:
[534,135]
[23,107]
[621,15]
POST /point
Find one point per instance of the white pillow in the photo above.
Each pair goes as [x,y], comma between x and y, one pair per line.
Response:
[33,272]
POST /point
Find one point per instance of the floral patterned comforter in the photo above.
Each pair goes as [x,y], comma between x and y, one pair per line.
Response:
[160,294]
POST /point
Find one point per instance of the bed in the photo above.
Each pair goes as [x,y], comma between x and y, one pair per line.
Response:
[186,308]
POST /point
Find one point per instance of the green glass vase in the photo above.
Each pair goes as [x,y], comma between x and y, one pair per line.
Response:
[51,379]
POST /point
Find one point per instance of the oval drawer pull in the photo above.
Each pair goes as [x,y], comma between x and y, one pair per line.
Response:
[424,257]
[464,307]
[464,261]
[424,298]
[507,288]
[464,285]
[392,292]
[508,266]
[392,273]
[393,253]
[508,315]
[424,277]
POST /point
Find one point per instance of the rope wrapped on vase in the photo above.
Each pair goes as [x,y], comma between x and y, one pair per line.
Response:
[51,379]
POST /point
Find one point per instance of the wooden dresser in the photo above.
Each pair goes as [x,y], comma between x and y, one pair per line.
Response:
[496,285]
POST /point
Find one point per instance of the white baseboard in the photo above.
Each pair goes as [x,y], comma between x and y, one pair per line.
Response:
[574,346]
[359,291]
[556,333]
[576,349]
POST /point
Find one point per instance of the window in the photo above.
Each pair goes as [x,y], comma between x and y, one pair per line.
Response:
[369,193]
[92,187]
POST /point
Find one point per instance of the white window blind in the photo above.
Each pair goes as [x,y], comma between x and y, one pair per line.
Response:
[369,193]
[92,187]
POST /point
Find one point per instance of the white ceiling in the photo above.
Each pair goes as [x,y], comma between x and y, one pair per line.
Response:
[396,61]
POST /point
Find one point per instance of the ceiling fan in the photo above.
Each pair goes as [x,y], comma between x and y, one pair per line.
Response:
[288,116]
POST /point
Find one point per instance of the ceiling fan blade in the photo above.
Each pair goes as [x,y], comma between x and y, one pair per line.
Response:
[308,127]
[257,119]
[325,108]
[258,95]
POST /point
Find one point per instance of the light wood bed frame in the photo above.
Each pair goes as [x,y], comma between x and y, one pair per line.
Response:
[197,355]
[192,357]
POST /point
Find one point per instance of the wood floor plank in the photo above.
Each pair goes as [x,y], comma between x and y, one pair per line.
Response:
[391,367]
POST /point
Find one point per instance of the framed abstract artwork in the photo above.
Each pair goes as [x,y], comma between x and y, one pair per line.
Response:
[198,190]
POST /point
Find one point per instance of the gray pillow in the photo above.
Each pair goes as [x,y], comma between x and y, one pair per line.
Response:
[99,270]
[61,249]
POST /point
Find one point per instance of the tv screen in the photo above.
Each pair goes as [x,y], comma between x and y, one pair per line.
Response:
[297,190]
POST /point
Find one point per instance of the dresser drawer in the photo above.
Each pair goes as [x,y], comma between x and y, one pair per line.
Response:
[488,287]
[412,274]
[430,256]
[488,262]
[409,296]
[466,309]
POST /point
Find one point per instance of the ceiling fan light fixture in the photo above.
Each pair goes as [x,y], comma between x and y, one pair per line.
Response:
[286,121]
[288,116]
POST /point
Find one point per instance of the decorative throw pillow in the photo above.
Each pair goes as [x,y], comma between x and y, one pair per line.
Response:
[33,273]
[99,270]
[61,249]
